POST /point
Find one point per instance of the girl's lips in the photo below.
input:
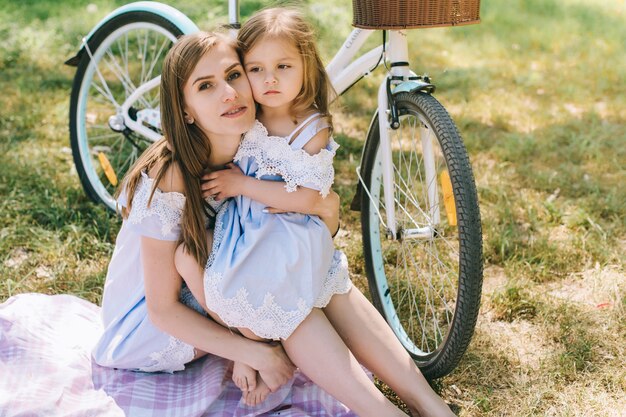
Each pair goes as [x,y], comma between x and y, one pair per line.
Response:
[235,112]
[271,92]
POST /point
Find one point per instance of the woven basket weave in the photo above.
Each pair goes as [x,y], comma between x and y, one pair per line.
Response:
[411,14]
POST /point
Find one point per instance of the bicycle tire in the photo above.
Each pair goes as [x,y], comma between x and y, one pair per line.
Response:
[428,289]
[114,62]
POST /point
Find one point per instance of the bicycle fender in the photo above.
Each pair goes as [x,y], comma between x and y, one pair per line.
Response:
[175,16]
[414,86]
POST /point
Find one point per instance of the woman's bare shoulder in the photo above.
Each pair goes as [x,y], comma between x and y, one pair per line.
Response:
[172,179]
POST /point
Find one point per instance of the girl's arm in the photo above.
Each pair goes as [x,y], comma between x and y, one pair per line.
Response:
[231,182]
[162,283]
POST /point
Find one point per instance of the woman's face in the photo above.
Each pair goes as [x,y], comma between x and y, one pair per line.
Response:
[218,96]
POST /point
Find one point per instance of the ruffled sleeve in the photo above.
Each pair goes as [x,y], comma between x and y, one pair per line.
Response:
[274,156]
[159,220]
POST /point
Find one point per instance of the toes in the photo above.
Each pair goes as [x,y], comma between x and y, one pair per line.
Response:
[241,384]
[251,384]
[250,399]
[263,396]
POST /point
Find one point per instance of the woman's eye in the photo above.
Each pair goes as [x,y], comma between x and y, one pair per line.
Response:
[234,75]
[204,86]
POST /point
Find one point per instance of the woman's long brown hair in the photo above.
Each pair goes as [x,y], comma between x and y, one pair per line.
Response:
[183,144]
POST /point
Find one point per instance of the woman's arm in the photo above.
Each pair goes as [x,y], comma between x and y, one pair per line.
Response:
[162,283]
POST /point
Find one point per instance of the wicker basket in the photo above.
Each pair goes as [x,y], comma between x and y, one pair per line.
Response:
[411,14]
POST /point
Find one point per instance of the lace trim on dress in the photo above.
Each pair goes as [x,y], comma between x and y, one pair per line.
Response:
[167,206]
[172,358]
[275,156]
[270,320]
[337,281]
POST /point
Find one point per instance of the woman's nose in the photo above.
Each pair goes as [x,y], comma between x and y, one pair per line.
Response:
[230,93]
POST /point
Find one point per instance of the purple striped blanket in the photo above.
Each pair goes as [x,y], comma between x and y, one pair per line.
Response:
[46,370]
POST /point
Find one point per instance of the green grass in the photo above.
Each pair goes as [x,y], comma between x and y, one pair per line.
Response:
[538,91]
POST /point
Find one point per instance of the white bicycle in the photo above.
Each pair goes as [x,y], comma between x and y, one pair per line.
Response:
[416,193]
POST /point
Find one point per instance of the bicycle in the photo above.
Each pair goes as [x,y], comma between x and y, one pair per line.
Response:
[416,193]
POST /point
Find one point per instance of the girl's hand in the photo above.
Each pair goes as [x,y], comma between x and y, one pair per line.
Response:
[226,183]
[275,367]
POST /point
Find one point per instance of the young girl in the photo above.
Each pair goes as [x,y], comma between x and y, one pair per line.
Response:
[268,274]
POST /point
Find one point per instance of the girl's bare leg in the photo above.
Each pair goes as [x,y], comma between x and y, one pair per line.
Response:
[374,344]
[248,380]
[316,348]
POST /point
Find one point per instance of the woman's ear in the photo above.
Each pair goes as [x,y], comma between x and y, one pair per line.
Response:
[188,119]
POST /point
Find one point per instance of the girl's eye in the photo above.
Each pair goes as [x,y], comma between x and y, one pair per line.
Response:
[254,69]
[283,66]
[234,75]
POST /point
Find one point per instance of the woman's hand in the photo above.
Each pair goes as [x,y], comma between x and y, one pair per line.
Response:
[328,211]
[274,366]
[328,208]
[226,183]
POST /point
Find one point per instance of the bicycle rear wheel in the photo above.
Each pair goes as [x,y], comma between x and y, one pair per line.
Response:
[427,283]
[123,54]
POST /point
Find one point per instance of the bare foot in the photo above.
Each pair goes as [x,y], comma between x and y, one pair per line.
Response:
[244,377]
[256,396]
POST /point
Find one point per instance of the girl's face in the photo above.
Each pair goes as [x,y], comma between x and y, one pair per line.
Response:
[217,95]
[276,72]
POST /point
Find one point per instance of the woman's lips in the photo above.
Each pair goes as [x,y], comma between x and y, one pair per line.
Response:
[235,112]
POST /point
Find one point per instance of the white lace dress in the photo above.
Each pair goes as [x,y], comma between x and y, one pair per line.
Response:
[266,272]
[130,340]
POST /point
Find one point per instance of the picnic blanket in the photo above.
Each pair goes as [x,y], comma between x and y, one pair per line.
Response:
[46,370]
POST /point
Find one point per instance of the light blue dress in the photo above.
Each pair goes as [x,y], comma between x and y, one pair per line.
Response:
[266,272]
[130,340]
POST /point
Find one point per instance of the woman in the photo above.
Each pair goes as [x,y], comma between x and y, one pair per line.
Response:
[150,326]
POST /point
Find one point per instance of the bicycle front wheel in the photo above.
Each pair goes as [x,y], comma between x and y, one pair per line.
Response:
[122,55]
[427,280]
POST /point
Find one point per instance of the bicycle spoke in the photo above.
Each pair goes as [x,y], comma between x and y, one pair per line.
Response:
[127,83]
[157,56]
[106,94]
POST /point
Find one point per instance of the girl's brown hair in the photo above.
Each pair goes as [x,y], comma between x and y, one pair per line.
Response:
[289,24]
[183,144]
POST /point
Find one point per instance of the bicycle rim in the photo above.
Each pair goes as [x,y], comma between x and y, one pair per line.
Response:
[416,281]
[124,59]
